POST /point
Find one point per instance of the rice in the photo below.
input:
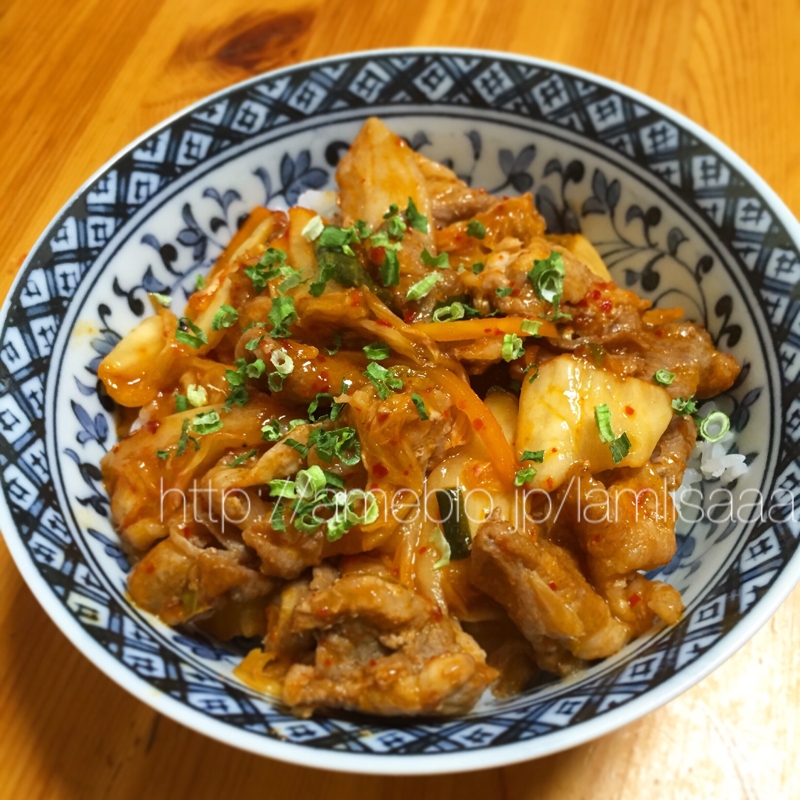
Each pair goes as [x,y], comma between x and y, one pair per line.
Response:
[710,461]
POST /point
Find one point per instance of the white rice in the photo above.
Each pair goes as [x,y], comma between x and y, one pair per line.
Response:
[710,461]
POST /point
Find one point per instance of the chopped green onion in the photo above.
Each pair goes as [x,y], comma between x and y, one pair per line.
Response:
[476,229]
[199,283]
[275,381]
[664,377]
[267,268]
[332,236]
[449,313]
[209,422]
[185,438]
[162,299]
[254,343]
[282,362]
[503,291]
[441,261]
[547,278]
[196,395]
[225,317]
[197,337]
[477,267]
[256,368]
[384,380]
[685,407]
[531,326]
[309,482]
[342,443]
[415,219]
[390,268]
[181,403]
[240,459]
[282,315]
[602,416]
[396,227]
[299,446]
[271,431]
[423,287]
[718,420]
[533,455]
[535,368]
[393,209]
[524,476]
[377,351]
[282,488]
[313,228]
[336,408]
[162,454]
[419,404]
[620,448]
[513,347]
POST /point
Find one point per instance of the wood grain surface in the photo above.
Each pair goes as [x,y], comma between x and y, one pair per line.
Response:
[79,79]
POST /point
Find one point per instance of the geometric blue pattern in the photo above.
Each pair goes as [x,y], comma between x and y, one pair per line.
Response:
[743,226]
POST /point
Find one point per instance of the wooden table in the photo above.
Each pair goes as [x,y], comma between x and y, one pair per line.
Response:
[80,78]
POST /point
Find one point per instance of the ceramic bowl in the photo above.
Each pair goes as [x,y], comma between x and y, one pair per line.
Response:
[679,218]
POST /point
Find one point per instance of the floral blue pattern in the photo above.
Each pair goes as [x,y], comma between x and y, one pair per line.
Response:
[673,219]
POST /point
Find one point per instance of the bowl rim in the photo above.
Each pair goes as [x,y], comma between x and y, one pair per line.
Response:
[434,763]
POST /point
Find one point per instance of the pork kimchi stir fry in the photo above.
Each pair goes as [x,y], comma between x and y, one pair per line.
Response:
[416,445]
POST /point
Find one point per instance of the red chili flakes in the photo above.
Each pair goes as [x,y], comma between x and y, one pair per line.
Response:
[606,306]
[634,599]
[437,614]
[549,483]
[149,567]
[372,662]
[408,316]
[422,550]
[487,331]
[377,255]
[553,585]
[498,332]
[153,425]
[356,298]
[596,294]
[629,411]
[477,424]
[380,471]
[659,333]
[405,472]
[382,416]
[385,323]
[553,449]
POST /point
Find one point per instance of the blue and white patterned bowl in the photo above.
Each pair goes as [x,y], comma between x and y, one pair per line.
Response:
[679,218]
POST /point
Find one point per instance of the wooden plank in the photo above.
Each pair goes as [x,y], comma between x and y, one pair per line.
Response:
[78,80]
